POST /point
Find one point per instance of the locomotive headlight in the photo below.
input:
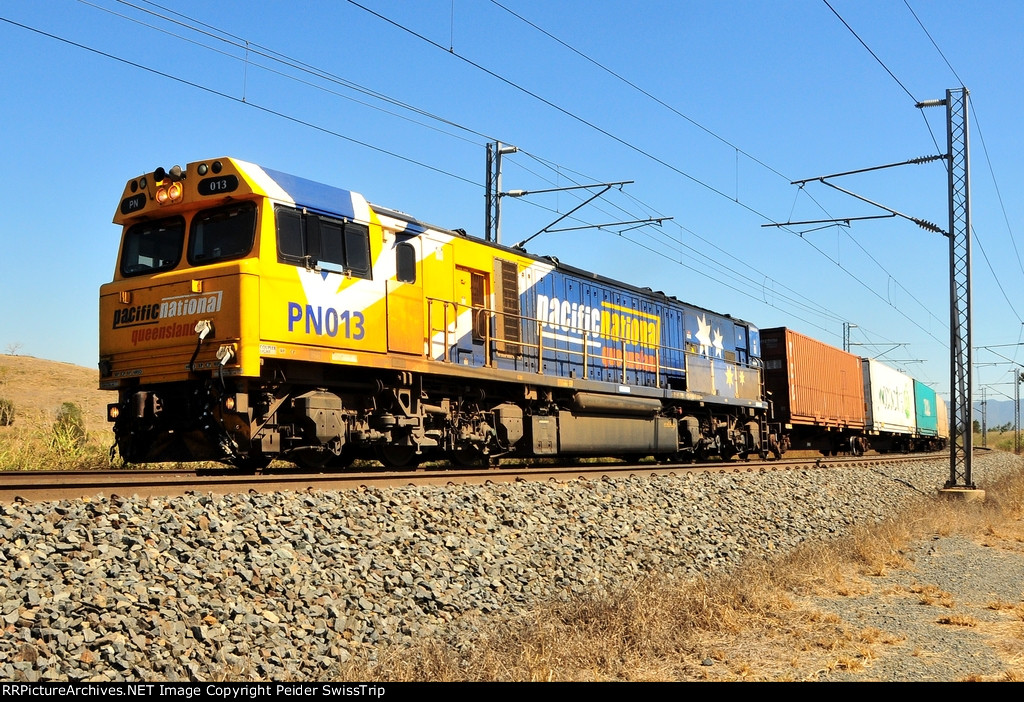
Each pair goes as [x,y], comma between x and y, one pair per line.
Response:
[162,198]
[174,192]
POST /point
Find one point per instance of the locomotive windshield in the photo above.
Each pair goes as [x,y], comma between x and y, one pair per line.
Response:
[153,246]
[222,233]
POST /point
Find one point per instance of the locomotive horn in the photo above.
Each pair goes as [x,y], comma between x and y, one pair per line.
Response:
[175,174]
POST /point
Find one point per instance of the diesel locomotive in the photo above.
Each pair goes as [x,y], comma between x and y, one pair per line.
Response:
[255,315]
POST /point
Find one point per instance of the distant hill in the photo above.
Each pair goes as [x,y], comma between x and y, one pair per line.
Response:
[40,387]
[997,412]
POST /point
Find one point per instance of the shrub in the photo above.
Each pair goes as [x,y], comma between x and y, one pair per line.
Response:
[69,428]
[6,412]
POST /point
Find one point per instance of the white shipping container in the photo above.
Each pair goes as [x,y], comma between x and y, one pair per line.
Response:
[889,396]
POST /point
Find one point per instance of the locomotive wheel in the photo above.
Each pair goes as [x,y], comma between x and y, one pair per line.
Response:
[341,461]
[467,458]
[310,458]
[248,463]
[395,456]
[253,463]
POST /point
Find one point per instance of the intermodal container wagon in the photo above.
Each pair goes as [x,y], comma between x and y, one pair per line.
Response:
[889,396]
[815,389]
[943,417]
[926,409]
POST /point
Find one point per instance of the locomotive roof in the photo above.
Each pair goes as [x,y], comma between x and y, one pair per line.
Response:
[328,198]
[415,226]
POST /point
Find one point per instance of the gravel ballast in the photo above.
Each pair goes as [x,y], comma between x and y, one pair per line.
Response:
[287,585]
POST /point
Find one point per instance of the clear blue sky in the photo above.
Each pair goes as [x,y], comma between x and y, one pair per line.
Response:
[741,98]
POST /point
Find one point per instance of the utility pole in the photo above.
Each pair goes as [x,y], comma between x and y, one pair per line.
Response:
[1018,378]
[847,326]
[984,418]
[492,190]
[958,166]
[957,157]
[493,194]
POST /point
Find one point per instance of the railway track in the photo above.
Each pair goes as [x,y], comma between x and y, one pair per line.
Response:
[38,486]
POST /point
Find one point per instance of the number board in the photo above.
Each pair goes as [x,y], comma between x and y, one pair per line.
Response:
[133,204]
[218,185]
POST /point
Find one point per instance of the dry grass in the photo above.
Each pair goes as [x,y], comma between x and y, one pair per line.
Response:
[38,388]
[33,443]
[998,440]
[761,626]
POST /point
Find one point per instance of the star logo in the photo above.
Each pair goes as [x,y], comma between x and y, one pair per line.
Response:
[703,334]
[716,341]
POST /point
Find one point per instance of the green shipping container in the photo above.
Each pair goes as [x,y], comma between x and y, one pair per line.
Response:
[927,410]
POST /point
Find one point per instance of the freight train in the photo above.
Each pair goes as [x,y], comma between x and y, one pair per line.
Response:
[254,315]
[834,402]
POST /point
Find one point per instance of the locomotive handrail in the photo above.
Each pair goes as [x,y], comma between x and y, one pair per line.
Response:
[619,361]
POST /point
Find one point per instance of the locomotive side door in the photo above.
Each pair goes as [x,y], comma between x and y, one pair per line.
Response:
[405,299]
[472,295]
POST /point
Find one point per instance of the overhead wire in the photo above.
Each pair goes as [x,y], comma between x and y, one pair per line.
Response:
[239,42]
[267,53]
[247,103]
[803,303]
[680,114]
[977,126]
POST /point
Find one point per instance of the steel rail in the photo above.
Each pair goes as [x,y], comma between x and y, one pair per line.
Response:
[39,486]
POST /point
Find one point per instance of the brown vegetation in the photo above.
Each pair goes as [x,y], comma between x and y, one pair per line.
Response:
[763,624]
[37,438]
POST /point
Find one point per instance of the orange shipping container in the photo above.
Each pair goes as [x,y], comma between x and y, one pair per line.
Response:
[812,383]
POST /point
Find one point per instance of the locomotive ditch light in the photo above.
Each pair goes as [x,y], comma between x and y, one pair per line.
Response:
[113,411]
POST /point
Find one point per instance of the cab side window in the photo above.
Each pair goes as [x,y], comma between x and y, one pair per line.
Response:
[405,263]
[322,242]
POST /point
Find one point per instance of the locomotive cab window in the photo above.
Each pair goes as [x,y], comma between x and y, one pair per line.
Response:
[405,263]
[326,243]
[222,233]
[153,246]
